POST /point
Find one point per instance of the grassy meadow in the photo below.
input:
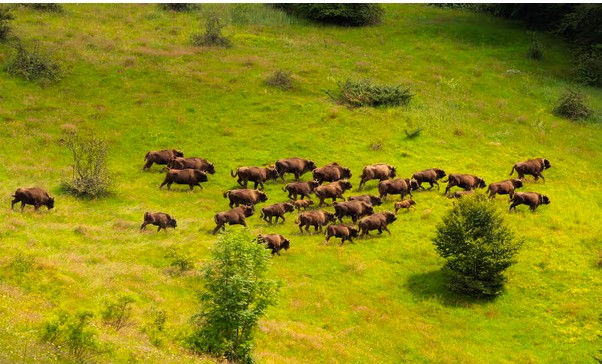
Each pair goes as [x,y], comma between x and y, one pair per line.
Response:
[132,76]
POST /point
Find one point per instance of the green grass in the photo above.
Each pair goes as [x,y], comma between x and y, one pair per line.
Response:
[131,75]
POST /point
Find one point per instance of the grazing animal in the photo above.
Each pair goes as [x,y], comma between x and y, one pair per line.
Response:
[532,167]
[297,166]
[429,175]
[192,163]
[332,190]
[343,231]
[379,171]
[405,204]
[317,219]
[302,189]
[331,173]
[302,204]
[373,200]
[276,242]
[160,157]
[533,199]
[258,175]
[465,181]
[191,177]
[236,216]
[460,194]
[378,221]
[354,209]
[163,221]
[32,196]
[245,197]
[277,210]
[401,186]
[504,187]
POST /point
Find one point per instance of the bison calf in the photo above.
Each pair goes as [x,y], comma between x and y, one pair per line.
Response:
[276,242]
[504,187]
[32,196]
[163,221]
[405,204]
[533,199]
[277,210]
[302,204]
[236,216]
[345,232]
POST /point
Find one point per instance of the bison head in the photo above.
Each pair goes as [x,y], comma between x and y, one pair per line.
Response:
[411,202]
[272,173]
[480,183]
[289,207]
[286,244]
[345,185]
[171,222]
[392,172]
[309,202]
[313,184]
[352,231]
[248,210]
[544,200]
[262,196]
[210,168]
[50,203]
[310,166]
[177,153]
[390,217]
[516,183]
[413,184]
[330,217]
[546,163]
[369,208]
[376,201]
[200,176]
[440,173]
[346,173]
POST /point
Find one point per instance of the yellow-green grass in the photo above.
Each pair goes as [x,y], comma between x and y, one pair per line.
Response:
[132,76]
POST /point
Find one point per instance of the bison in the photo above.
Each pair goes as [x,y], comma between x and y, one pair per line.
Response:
[332,190]
[378,221]
[192,163]
[465,181]
[317,219]
[401,186]
[160,219]
[331,173]
[533,199]
[276,242]
[354,209]
[303,189]
[32,196]
[379,171]
[343,231]
[460,194]
[236,216]
[245,197]
[373,200]
[532,167]
[302,204]
[191,177]
[278,210]
[297,166]
[258,175]
[429,175]
[405,204]
[504,187]
[160,157]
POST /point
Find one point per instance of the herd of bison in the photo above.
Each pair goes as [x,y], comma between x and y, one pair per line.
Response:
[193,171]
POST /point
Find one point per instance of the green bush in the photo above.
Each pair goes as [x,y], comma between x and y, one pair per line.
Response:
[477,246]
[237,291]
[179,7]
[571,105]
[72,333]
[181,259]
[33,66]
[338,14]
[213,34]
[155,326]
[364,93]
[589,66]
[280,79]
[5,18]
[117,313]
[47,7]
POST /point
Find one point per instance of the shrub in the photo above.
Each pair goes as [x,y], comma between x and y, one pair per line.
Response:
[364,93]
[72,333]
[338,14]
[536,49]
[477,246]
[5,18]
[280,79]
[236,294]
[155,326]
[117,313]
[33,65]
[213,34]
[571,105]
[90,175]
[47,7]
[589,66]
[181,259]
[179,7]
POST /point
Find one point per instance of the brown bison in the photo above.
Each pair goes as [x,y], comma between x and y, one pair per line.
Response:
[378,221]
[317,219]
[401,186]
[302,189]
[258,175]
[533,199]
[429,175]
[343,231]
[504,187]
[192,163]
[160,157]
[276,242]
[532,167]
[379,171]
[297,166]
[465,181]
[163,221]
[354,209]
[405,204]
[373,200]
[245,197]
[277,210]
[32,196]
[331,172]
[460,194]
[332,190]
[236,216]
[191,177]
[302,204]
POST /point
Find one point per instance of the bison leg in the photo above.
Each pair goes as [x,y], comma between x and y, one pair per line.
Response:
[199,184]
[241,184]
[12,205]
[36,207]
[219,226]
[513,206]
[147,165]
[449,186]
[143,227]
[22,206]
[159,229]
[386,229]
[282,217]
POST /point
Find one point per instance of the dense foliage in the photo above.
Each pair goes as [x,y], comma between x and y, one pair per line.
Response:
[571,105]
[213,34]
[365,93]
[33,65]
[339,14]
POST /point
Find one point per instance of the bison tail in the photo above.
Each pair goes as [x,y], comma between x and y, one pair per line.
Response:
[512,171]
[233,174]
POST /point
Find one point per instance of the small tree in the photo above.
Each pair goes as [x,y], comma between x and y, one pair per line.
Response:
[571,105]
[236,294]
[213,34]
[477,245]
[72,334]
[33,65]
[117,313]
